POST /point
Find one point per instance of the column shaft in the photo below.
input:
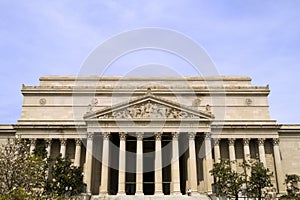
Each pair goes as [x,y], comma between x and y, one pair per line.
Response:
[32,145]
[193,164]
[232,154]
[246,142]
[261,151]
[278,167]
[122,164]
[139,164]
[105,164]
[209,161]
[77,152]
[48,149]
[175,165]
[217,150]
[158,164]
[63,143]
[88,163]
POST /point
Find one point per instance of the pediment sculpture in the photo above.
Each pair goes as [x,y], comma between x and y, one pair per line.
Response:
[147,110]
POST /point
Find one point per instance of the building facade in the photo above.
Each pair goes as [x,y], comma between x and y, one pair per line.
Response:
[155,135]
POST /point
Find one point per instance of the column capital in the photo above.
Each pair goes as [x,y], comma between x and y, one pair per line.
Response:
[216,141]
[32,141]
[275,141]
[192,135]
[158,136]
[261,141]
[208,135]
[90,135]
[122,136]
[231,141]
[175,135]
[139,135]
[78,141]
[246,141]
[63,141]
[48,141]
[106,135]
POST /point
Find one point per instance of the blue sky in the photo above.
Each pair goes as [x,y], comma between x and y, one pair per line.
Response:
[260,39]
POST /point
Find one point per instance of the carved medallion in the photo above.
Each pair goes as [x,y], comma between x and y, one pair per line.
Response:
[43,101]
[248,101]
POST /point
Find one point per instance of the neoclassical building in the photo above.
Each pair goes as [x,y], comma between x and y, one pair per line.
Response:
[155,135]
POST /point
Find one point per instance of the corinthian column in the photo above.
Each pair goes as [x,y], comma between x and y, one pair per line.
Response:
[217,150]
[63,143]
[32,145]
[77,152]
[122,164]
[139,163]
[48,147]
[209,161]
[158,164]
[193,164]
[261,151]
[246,142]
[232,154]
[105,164]
[278,168]
[175,165]
[88,163]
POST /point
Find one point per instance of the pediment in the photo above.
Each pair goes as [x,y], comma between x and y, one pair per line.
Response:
[149,107]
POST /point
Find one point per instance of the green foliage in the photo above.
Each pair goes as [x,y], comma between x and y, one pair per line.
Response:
[259,179]
[292,181]
[227,181]
[16,194]
[66,178]
[20,171]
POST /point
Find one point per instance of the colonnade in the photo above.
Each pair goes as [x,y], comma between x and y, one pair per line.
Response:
[175,168]
[261,155]
[158,174]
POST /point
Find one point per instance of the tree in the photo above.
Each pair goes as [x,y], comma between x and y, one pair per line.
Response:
[66,178]
[228,182]
[292,181]
[259,179]
[20,172]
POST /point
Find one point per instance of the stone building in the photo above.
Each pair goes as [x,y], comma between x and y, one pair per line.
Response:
[155,135]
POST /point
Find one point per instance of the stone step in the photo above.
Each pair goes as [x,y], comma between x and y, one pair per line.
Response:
[152,197]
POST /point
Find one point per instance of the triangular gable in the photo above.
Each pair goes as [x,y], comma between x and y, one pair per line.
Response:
[149,107]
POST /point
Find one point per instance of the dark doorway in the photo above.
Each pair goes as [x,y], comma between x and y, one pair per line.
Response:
[183,153]
[148,164]
[114,163]
[166,162]
[130,165]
